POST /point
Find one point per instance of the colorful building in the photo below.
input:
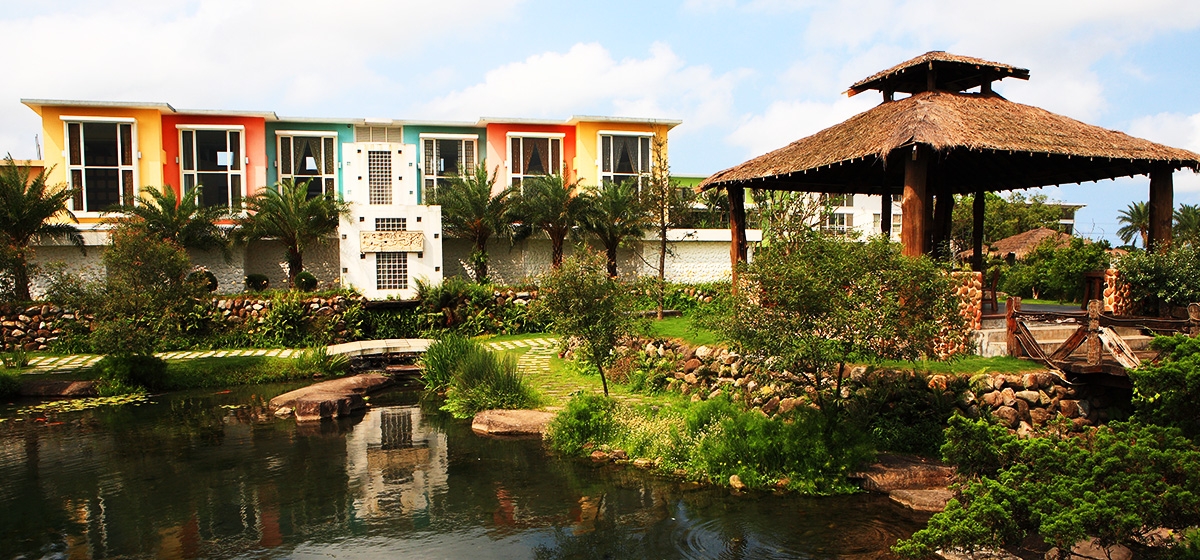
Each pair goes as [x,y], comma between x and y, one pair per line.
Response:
[388,170]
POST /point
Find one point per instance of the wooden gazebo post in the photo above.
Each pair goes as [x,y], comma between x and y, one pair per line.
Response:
[977,230]
[1162,204]
[913,229]
[737,230]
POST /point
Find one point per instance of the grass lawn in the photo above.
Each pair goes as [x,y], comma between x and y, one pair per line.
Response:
[196,373]
[969,365]
[682,328]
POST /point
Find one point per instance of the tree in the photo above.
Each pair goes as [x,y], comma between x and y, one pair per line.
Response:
[30,208]
[618,215]
[1187,224]
[669,207]
[288,214]
[472,211]
[1137,222]
[1004,217]
[584,301]
[552,204]
[184,222]
[816,303]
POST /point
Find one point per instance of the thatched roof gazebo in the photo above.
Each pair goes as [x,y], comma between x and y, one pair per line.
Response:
[943,140]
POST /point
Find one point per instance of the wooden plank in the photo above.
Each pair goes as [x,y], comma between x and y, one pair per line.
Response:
[1070,344]
[1012,306]
[1118,349]
[1030,344]
[977,230]
[913,228]
[1094,346]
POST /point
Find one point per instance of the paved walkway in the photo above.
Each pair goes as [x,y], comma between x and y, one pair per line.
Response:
[68,364]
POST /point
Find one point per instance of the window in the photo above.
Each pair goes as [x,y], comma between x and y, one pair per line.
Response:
[391,224]
[624,157]
[839,222]
[379,176]
[389,134]
[212,157]
[391,271]
[897,199]
[100,163]
[309,157]
[530,156]
[445,156]
[837,200]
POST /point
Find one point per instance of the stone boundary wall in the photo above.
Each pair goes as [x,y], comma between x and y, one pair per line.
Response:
[32,327]
[1117,299]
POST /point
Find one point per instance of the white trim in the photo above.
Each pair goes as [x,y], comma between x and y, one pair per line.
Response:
[73,118]
[447,136]
[514,134]
[210,127]
[321,133]
[625,133]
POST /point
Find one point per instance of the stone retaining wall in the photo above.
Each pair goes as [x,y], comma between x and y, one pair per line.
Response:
[32,327]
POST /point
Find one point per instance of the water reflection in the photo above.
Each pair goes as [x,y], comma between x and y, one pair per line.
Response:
[195,476]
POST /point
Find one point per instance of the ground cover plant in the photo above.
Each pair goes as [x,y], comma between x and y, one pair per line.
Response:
[474,378]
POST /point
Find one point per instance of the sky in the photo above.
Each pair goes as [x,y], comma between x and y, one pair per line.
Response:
[745,77]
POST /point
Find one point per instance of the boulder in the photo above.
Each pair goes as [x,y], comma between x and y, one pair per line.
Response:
[57,388]
[330,399]
[1031,397]
[771,405]
[1008,416]
[511,422]
[691,365]
[1069,408]
[1008,397]
[897,472]
[924,499]
[736,483]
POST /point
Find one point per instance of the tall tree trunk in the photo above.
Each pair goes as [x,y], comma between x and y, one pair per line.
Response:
[481,261]
[21,276]
[662,263]
[611,252]
[556,251]
[295,260]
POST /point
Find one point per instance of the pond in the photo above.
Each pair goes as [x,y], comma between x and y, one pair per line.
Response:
[200,475]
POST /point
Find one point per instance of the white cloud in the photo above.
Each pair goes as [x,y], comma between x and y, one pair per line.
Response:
[588,80]
[788,121]
[289,56]
[1175,130]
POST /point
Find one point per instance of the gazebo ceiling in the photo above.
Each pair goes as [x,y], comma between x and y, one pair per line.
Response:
[979,140]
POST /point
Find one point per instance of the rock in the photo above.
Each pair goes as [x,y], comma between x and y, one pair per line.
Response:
[1069,408]
[57,388]
[691,365]
[283,411]
[736,483]
[697,398]
[1008,416]
[1031,397]
[1039,416]
[787,405]
[1023,409]
[511,422]
[998,382]
[1008,397]
[1044,399]
[1092,550]
[1085,408]
[714,394]
[643,463]
[703,352]
[690,379]
[1029,381]
[618,454]
[993,399]
[329,399]
[1024,430]
[599,456]
[897,472]
[923,499]
[752,385]
[771,405]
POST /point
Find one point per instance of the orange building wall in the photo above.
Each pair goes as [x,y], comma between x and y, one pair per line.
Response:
[149,144]
[588,145]
[254,140]
[497,146]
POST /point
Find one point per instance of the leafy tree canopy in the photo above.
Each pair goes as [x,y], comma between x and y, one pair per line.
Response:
[1003,217]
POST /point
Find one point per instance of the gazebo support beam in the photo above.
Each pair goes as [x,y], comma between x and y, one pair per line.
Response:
[913,228]
[1162,204]
[885,213]
[977,230]
[737,230]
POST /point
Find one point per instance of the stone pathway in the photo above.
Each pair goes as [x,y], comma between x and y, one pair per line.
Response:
[68,364]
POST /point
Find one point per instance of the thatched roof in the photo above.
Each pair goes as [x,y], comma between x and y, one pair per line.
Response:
[953,73]
[981,141]
[1022,244]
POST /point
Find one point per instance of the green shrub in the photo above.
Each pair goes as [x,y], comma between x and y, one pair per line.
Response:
[133,370]
[1172,278]
[305,281]
[974,446]
[10,384]
[484,382]
[257,282]
[286,324]
[443,359]
[318,361]
[586,422]
[1166,392]
[15,359]
[399,323]
[905,413]
[204,278]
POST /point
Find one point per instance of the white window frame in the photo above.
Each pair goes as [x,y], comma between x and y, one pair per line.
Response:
[608,175]
[67,120]
[508,138]
[326,174]
[241,171]
[437,177]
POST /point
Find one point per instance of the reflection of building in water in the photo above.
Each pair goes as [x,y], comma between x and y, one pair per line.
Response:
[393,464]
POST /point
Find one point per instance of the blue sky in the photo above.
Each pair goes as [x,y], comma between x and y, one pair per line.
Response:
[745,76]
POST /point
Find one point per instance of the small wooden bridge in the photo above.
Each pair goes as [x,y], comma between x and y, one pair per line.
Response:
[1099,343]
[396,356]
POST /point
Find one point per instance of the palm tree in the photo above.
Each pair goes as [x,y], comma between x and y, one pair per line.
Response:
[1137,222]
[471,211]
[28,209]
[618,215]
[551,204]
[185,222]
[1187,224]
[287,214]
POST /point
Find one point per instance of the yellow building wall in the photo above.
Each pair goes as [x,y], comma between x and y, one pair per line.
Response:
[148,127]
[587,145]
